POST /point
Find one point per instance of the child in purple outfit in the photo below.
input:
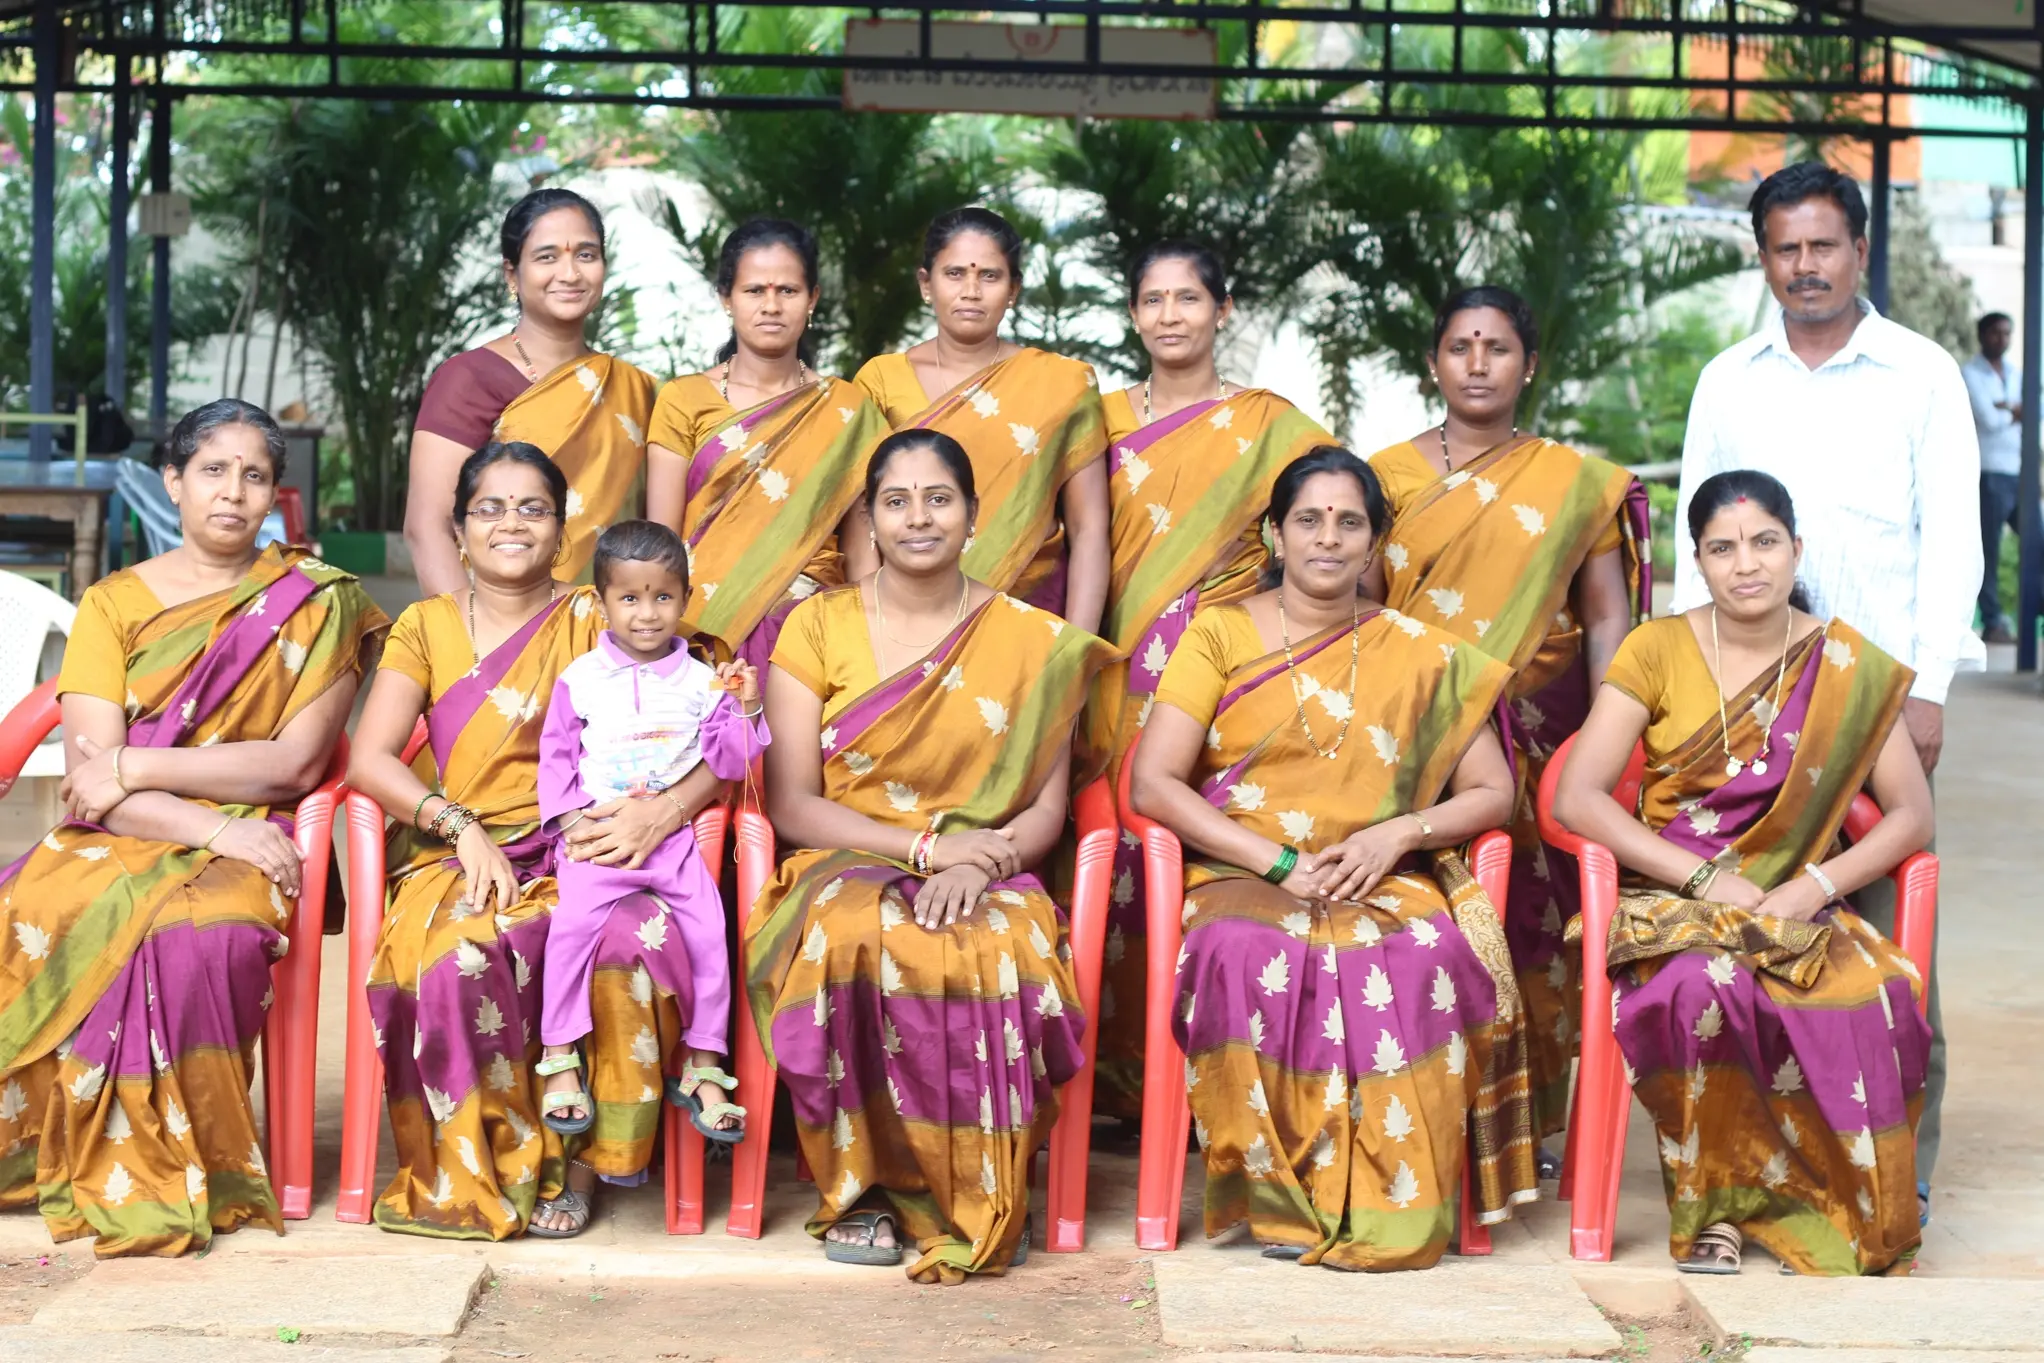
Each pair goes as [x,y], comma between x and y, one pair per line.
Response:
[630,721]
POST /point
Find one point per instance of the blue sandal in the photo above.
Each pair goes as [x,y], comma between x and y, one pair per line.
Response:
[552,1103]
[686,1093]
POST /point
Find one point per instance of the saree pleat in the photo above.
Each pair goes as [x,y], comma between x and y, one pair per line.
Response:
[1345,1058]
[590,416]
[923,1065]
[1186,493]
[1788,1109]
[139,972]
[1490,552]
[641,989]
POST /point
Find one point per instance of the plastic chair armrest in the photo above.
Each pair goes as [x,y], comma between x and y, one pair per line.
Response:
[34,718]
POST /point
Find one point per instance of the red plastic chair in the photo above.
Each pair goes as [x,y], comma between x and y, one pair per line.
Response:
[1603,1097]
[291,502]
[291,1030]
[1071,1140]
[1167,1114]
[362,1102]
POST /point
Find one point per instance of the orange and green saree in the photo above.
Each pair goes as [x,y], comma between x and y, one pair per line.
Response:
[1344,1058]
[590,416]
[1029,422]
[1783,1062]
[766,490]
[1188,494]
[135,974]
[924,1064]
[1490,553]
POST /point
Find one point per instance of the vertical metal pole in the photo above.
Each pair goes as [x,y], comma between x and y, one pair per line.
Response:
[1877,225]
[42,250]
[159,271]
[117,234]
[2030,525]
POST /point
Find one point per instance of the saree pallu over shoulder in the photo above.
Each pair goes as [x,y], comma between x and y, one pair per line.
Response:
[137,973]
[923,1064]
[1363,1034]
[590,416]
[1029,422]
[765,496]
[453,992]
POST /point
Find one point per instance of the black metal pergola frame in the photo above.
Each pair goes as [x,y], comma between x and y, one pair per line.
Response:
[536,59]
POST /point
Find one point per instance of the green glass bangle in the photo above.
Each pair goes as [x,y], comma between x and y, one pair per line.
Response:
[1287,859]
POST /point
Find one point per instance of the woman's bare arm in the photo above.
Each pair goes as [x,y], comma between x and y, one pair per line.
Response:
[429,510]
[1606,611]
[1160,788]
[666,486]
[801,815]
[1582,797]
[1908,817]
[375,764]
[256,772]
[1083,506]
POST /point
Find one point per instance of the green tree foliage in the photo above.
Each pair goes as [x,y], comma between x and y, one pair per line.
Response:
[1925,293]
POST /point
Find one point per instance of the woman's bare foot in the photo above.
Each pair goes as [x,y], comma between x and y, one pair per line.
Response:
[561,1214]
[710,1060]
[566,1081]
[860,1232]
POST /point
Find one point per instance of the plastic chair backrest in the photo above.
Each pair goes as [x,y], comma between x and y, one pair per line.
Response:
[141,487]
[25,648]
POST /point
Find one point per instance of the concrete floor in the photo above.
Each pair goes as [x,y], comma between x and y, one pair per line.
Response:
[1990,1190]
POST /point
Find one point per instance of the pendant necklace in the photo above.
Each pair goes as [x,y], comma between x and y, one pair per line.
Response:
[1733,766]
[1355,652]
[1447,462]
[524,359]
[880,613]
[1148,418]
[553,592]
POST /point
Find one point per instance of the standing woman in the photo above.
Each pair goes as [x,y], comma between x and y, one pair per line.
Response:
[202,691]
[539,384]
[756,461]
[1030,420]
[454,987]
[1537,554]
[909,975]
[1192,458]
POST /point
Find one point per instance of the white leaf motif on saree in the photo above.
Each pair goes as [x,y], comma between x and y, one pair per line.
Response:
[1530,519]
[1256,1160]
[993,714]
[857,763]
[1258,1103]
[1775,1172]
[841,1137]
[848,1191]
[1385,742]
[1297,923]
[1404,1189]
[986,1112]
[890,1039]
[521,969]
[85,1088]
[1397,1119]
[1790,1132]
[1337,1090]
[1297,824]
[1703,820]
[1838,653]
[985,403]
[1334,1028]
[1486,490]
[441,1105]
[709,590]
[513,704]
[773,484]
[953,679]
[118,1129]
[989,1182]
[1866,1204]
[469,959]
[1458,1053]
[1446,600]
[1327,961]
[1710,1021]
[646,1047]
[829,737]
[489,1018]
[1531,716]
[902,797]
[1396,556]
[1038,941]
[255,1158]
[1377,988]
[815,944]
[465,1149]
[1679,1154]
[1256,1028]
[1482,627]
[891,914]
[1011,1039]
[1861,1151]
[443,1190]
[632,429]
[1051,1004]
[979,1046]
[1698,1079]
[1367,933]
[1247,796]
[1859,1089]
[890,975]
[498,1075]
[642,986]
[34,941]
[1721,969]
[1160,518]
[1026,439]
[1117,942]
[1010,982]
[120,1185]
[829,892]
[652,933]
[1424,933]
[834,1068]
[1455,479]
[292,655]
[1135,468]
[14,1101]
[1336,703]
[1322,1153]
[1389,1057]
[1223,417]
[1557,972]
[195,1183]
[1444,991]
[1155,656]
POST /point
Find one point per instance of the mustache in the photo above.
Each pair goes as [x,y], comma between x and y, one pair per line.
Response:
[1811,285]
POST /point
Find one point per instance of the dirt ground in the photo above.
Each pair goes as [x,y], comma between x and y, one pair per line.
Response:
[1064,1309]
[27,1281]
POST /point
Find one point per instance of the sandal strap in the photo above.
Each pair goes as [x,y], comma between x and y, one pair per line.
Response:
[694,1074]
[557,1064]
[714,1111]
[551,1102]
[1719,1237]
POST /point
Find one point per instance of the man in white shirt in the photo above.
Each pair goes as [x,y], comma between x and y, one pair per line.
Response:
[1995,390]
[1869,427]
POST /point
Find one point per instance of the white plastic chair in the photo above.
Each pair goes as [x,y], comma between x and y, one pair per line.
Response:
[141,489]
[31,651]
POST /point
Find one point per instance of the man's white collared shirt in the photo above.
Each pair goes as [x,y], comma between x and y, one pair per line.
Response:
[1877,448]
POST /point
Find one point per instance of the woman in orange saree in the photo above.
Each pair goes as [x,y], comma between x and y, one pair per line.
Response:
[756,462]
[1772,1033]
[1030,420]
[539,384]
[1344,996]
[1191,461]
[910,976]
[454,988]
[1537,555]
[203,691]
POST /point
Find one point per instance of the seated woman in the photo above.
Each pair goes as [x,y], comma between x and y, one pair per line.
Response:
[203,691]
[1344,1000]
[909,975]
[455,985]
[1768,1029]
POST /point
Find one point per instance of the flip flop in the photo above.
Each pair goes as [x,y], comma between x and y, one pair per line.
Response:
[575,1204]
[550,1103]
[1714,1251]
[868,1255]
[686,1093]
[1022,1245]
[1289,1253]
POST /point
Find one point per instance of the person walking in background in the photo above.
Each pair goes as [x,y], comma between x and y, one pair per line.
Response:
[1867,425]
[1998,420]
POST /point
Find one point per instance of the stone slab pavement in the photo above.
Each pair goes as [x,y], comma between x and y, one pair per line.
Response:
[1461,1307]
[32,1344]
[1884,1314]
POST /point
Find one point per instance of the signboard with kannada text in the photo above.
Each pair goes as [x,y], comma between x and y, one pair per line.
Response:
[1061,88]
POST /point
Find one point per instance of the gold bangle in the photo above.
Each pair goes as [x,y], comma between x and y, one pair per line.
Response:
[207,845]
[668,793]
[1426,830]
[118,749]
[1705,871]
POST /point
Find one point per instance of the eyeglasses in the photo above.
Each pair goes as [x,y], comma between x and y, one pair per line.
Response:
[496,511]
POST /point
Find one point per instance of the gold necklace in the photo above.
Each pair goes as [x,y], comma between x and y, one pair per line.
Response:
[523,358]
[1355,653]
[1733,766]
[1447,461]
[1148,418]
[880,613]
[724,383]
[553,591]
